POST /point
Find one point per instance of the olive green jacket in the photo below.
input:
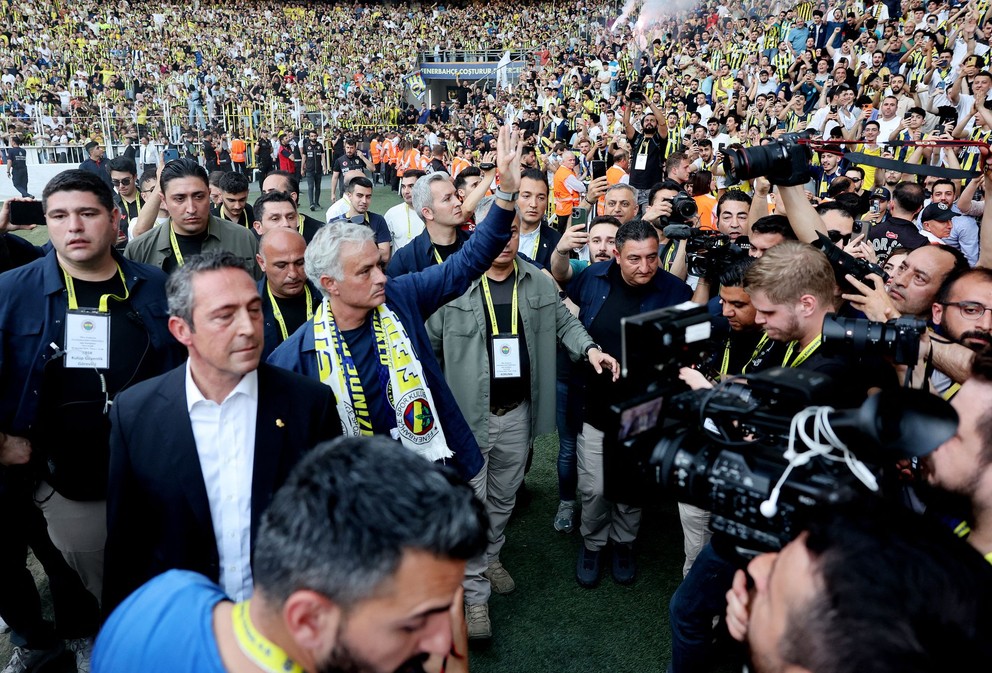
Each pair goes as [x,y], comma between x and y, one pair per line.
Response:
[459,338]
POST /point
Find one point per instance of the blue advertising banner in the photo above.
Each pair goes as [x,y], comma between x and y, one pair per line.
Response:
[468,70]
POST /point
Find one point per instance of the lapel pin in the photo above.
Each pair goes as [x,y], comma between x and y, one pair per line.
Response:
[279,423]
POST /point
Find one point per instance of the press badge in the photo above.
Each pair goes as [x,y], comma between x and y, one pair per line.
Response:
[641,162]
[87,340]
[506,357]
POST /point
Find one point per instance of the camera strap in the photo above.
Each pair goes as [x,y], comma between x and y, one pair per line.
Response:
[916,169]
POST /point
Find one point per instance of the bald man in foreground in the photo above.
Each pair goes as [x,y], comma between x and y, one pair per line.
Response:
[288,300]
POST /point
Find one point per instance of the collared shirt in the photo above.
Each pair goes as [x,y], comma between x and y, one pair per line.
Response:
[404,224]
[225,444]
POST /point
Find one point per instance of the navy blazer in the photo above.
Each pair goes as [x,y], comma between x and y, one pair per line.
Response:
[418,254]
[158,515]
[31,315]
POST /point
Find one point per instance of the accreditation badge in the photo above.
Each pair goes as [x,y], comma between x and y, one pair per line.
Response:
[641,162]
[87,340]
[506,356]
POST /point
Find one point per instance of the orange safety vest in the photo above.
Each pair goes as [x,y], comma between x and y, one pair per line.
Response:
[565,198]
[376,151]
[613,176]
[458,165]
[390,152]
[239,151]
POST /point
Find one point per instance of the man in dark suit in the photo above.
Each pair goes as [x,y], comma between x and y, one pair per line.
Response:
[197,453]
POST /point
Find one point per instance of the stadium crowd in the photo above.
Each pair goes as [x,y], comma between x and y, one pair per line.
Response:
[777,162]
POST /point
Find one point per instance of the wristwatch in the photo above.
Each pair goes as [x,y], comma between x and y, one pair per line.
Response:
[594,346]
[506,196]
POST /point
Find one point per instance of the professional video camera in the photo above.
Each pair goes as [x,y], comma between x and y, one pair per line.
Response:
[845,263]
[755,451]
[784,161]
[707,251]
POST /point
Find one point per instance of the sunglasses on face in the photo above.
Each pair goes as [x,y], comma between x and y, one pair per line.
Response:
[126,182]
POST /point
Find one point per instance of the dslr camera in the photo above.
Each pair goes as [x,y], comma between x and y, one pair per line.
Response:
[844,264]
[784,161]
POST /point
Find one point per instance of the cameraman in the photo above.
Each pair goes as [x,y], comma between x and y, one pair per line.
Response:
[846,596]
[793,288]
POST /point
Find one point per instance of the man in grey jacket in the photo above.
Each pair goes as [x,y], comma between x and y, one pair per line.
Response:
[497,345]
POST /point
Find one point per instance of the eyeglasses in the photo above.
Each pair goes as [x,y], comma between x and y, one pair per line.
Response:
[121,183]
[855,179]
[147,191]
[970,310]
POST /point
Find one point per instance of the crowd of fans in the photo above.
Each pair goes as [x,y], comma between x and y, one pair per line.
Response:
[486,309]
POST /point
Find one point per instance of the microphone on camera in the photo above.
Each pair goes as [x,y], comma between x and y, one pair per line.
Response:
[678,232]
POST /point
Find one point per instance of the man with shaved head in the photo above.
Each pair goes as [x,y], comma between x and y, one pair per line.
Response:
[288,300]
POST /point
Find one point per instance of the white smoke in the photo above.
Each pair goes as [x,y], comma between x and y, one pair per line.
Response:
[652,14]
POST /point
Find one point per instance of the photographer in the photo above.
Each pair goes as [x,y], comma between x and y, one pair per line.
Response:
[646,146]
[845,596]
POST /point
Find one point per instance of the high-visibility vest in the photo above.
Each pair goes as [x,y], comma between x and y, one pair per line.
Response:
[565,198]
[376,151]
[458,165]
[239,151]
[613,175]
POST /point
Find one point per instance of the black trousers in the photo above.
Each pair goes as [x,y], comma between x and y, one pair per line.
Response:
[263,172]
[77,612]
[313,187]
[20,180]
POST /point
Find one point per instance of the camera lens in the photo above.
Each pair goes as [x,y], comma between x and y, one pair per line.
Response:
[744,163]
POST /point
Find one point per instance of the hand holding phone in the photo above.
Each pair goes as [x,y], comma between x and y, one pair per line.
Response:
[598,168]
[26,213]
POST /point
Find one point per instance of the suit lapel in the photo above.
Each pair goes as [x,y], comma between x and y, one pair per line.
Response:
[185,461]
[270,433]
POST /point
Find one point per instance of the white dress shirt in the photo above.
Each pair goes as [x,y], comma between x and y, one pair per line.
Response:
[225,444]
[404,224]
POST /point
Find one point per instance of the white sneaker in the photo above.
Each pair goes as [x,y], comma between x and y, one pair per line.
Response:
[82,648]
[23,659]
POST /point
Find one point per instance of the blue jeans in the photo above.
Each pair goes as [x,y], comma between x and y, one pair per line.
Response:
[568,474]
[700,597]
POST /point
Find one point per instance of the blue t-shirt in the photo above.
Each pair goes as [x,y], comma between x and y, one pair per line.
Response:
[166,626]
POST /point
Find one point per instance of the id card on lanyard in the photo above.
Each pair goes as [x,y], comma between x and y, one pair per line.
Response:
[641,162]
[505,347]
[87,331]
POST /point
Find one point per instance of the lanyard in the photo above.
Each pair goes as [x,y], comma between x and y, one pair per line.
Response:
[175,245]
[265,653]
[726,355]
[437,255]
[951,392]
[408,231]
[247,224]
[533,254]
[803,354]
[492,310]
[299,219]
[277,313]
[104,299]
